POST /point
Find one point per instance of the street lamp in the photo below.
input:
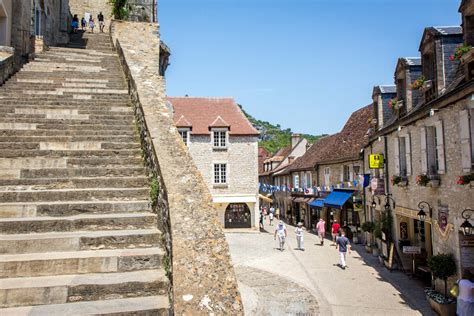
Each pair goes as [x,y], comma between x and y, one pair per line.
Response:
[421,214]
[374,204]
[388,198]
[466,226]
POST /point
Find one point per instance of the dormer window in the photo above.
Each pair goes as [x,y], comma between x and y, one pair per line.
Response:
[185,135]
[219,138]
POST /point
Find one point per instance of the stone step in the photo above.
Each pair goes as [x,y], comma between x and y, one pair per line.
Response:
[70,208]
[78,240]
[69,139]
[86,194]
[139,306]
[82,287]
[27,130]
[133,171]
[86,123]
[72,183]
[104,162]
[14,113]
[93,222]
[115,153]
[80,262]
[52,146]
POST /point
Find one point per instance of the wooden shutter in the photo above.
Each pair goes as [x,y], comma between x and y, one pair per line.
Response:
[396,156]
[424,160]
[408,154]
[464,136]
[440,147]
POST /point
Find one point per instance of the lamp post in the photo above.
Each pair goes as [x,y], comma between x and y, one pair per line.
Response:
[422,214]
[466,226]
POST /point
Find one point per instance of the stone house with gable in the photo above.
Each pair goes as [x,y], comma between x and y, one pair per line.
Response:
[332,165]
[428,145]
[224,146]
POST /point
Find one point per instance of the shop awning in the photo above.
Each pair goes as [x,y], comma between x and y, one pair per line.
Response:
[337,198]
[266,199]
[317,203]
[300,200]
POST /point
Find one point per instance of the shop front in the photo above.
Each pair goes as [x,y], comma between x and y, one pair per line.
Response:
[340,207]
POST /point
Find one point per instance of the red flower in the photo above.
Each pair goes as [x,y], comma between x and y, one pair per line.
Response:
[451,57]
[460,180]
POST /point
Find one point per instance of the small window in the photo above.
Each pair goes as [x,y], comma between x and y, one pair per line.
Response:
[297,181]
[184,136]
[220,173]
[345,173]
[402,156]
[220,139]
[432,150]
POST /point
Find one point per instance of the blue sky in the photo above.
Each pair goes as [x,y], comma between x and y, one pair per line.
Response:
[305,64]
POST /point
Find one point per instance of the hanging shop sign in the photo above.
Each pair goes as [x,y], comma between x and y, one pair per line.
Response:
[376,161]
[411,250]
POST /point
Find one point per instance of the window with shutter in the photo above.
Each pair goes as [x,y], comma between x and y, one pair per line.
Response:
[424,160]
[396,156]
[441,162]
[465,127]
[402,156]
[408,154]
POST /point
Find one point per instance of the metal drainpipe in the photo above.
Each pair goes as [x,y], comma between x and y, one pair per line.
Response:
[363,188]
[387,188]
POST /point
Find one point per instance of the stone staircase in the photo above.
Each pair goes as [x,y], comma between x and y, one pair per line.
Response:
[77,233]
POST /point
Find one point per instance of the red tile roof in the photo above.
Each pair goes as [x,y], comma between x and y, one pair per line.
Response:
[262,155]
[204,113]
[183,122]
[343,146]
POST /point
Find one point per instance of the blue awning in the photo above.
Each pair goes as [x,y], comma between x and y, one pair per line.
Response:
[337,198]
[317,203]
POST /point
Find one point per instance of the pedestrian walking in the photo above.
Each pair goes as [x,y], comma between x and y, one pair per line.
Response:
[271,218]
[101,20]
[299,236]
[280,231]
[465,306]
[261,220]
[272,210]
[91,24]
[343,246]
[321,230]
[335,231]
[75,23]
[83,23]
[277,213]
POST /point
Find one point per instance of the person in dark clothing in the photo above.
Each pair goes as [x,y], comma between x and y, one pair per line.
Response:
[100,18]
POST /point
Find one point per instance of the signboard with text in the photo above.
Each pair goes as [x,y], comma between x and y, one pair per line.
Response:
[411,250]
[376,161]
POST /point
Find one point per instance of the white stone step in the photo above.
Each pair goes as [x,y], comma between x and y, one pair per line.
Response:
[78,240]
[156,305]
[81,287]
[80,262]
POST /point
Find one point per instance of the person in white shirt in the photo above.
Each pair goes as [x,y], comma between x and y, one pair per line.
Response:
[271,218]
[280,230]
[299,236]
[465,306]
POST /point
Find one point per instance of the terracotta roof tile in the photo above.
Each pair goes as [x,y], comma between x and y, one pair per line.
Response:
[263,154]
[219,122]
[202,112]
[183,122]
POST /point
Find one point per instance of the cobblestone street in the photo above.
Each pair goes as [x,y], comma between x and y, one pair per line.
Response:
[309,282]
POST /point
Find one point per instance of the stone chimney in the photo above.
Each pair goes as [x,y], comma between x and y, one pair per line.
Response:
[295,138]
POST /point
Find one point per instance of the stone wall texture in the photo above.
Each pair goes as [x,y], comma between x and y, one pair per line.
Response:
[80,7]
[203,278]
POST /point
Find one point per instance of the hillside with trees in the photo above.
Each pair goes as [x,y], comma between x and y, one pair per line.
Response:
[273,137]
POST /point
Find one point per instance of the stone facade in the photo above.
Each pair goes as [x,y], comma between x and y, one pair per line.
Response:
[202,274]
[242,186]
[93,7]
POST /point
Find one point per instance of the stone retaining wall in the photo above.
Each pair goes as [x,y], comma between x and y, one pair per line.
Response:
[203,278]
[6,63]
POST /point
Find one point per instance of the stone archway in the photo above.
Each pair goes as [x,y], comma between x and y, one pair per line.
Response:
[237,215]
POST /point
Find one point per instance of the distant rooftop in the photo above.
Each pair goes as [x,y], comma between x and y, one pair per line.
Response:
[448,30]
[388,89]
[412,61]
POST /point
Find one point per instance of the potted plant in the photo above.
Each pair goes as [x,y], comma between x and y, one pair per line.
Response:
[418,83]
[442,266]
[392,103]
[466,179]
[459,52]
[368,227]
[399,181]
[422,179]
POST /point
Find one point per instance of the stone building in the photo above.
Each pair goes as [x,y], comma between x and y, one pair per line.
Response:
[428,145]
[139,10]
[328,175]
[224,146]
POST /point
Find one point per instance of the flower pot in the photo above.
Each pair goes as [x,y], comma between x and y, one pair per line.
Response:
[402,183]
[442,309]
[434,183]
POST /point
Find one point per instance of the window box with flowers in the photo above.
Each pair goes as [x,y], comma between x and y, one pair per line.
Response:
[466,179]
[459,52]
[399,181]
[425,180]
[418,83]
[395,104]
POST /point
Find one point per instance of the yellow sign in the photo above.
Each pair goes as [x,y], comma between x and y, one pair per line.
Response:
[376,161]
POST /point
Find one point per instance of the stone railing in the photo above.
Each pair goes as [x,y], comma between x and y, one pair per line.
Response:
[203,279]
[6,63]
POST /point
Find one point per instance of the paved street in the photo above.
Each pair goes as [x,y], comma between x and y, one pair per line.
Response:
[294,282]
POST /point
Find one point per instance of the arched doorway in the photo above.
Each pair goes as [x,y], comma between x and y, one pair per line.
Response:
[237,215]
